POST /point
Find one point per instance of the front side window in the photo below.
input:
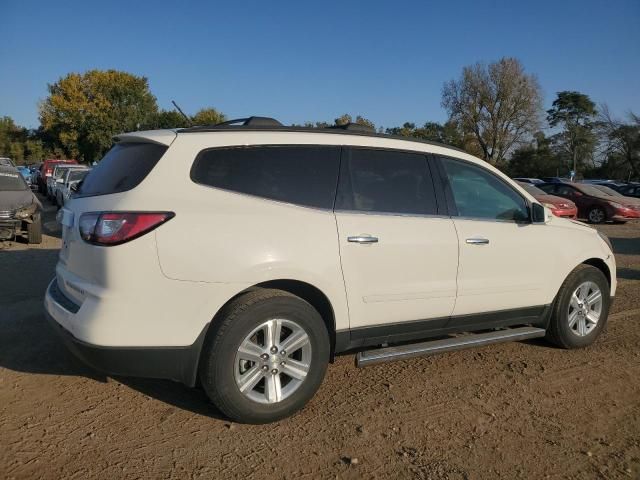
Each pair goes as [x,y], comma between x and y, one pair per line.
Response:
[478,193]
[385,181]
[299,174]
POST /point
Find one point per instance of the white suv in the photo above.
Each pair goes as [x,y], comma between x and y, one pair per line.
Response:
[245,255]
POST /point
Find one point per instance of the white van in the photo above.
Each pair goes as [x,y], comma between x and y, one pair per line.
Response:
[245,255]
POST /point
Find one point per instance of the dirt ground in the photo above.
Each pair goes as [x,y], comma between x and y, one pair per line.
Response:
[520,410]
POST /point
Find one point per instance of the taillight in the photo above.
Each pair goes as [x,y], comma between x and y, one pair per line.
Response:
[114,228]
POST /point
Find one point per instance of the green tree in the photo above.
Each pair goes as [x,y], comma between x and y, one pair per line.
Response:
[497,106]
[208,116]
[446,133]
[347,119]
[574,112]
[84,111]
[534,160]
[167,119]
[11,139]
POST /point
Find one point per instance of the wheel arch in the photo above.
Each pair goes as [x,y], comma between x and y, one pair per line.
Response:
[310,293]
[600,265]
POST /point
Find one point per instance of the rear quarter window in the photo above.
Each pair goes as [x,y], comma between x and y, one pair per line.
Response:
[302,175]
[124,167]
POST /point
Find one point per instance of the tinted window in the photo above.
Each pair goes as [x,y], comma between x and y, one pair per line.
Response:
[564,190]
[10,179]
[122,168]
[77,175]
[385,181]
[480,194]
[304,175]
[548,188]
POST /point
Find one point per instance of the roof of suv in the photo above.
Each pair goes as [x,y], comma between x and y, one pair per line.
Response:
[266,124]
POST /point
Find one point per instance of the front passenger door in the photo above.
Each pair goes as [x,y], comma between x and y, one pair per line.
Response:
[503,256]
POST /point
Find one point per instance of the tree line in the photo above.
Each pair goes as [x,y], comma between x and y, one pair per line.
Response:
[495,111]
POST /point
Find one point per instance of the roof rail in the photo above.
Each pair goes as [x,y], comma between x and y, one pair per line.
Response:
[252,122]
[354,127]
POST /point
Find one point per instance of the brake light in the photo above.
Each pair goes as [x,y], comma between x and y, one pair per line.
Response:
[115,228]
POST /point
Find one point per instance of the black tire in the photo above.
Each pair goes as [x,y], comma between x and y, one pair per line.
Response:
[596,215]
[34,230]
[229,330]
[559,331]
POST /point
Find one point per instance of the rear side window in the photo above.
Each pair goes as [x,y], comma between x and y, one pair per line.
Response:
[303,175]
[385,181]
[122,168]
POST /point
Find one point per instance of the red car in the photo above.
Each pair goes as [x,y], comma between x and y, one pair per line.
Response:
[46,170]
[560,207]
[593,204]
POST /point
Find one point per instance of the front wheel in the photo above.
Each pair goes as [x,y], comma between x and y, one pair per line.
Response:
[265,357]
[34,230]
[596,215]
[581,309]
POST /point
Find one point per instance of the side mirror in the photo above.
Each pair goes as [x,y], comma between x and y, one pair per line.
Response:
[577,194]
[538,214]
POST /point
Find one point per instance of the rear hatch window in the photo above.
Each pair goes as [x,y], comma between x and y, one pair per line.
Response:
[122,168]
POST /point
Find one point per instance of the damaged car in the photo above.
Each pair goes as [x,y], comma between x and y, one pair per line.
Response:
[20,210]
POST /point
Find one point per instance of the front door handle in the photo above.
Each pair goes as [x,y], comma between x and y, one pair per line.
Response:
[362,239]
[477,241]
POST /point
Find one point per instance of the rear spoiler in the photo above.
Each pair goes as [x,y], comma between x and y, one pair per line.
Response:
[161,137]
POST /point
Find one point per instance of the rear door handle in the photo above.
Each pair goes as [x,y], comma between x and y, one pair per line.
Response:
[362,239]
[477,241]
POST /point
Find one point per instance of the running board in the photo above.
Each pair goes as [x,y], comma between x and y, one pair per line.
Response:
[402,352]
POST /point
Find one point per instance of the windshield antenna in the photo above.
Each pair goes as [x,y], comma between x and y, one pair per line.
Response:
[183,114]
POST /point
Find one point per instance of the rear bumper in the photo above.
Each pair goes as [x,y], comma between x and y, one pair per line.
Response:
[172,363]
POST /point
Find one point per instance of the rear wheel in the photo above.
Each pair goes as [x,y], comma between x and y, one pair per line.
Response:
[596,215]
[265,357]
[34,230]
[581,309]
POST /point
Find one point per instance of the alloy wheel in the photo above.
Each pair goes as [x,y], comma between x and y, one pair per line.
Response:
[584,309]
[272,361]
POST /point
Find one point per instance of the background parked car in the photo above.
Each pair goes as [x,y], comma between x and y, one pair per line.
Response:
[631,190]
[19,207]
[56,179]
[528,180]
[555,179]
[593,204]
[26,174]
[6,162]
[46,170]
[559,206]
[607,190]
[71,178]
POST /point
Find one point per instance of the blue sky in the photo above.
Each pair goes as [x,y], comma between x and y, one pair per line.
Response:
[300,61]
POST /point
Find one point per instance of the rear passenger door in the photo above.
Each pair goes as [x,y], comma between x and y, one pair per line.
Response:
[399,256]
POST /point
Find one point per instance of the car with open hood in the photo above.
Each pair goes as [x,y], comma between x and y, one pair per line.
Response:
[20,210]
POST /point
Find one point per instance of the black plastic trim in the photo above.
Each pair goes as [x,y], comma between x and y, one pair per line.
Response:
[422,329]
[171,363]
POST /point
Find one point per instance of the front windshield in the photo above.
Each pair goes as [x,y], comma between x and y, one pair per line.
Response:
[531,189]
[10,181]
